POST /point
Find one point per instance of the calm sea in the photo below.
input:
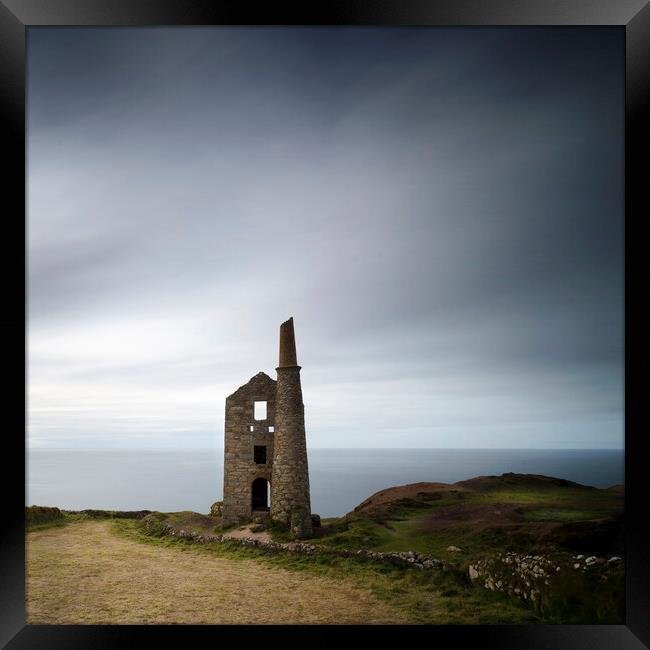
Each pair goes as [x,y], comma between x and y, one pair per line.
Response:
[174,480]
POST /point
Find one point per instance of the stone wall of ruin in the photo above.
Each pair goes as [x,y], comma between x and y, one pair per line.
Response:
[240,470]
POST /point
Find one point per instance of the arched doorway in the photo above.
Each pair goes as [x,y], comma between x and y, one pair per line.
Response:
[260,494]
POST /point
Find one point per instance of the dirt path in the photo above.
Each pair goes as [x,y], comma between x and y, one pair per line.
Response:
[245,531]
[85,574]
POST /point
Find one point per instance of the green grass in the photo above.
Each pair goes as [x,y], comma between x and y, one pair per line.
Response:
[563,514]
[554,497]
[280,532]
[408,535]
[355,533]
[47,524]
[580,598]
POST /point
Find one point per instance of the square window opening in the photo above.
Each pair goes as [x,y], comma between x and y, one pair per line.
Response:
[271,429]
[260,410]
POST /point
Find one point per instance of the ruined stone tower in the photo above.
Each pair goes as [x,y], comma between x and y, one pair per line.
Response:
[265,448]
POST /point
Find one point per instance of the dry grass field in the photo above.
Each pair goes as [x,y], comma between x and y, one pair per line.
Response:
[83,573]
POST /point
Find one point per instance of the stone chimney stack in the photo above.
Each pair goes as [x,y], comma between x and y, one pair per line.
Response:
[287,345]
[290,501]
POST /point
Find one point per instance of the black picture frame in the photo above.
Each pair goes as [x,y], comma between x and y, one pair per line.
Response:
[17,15]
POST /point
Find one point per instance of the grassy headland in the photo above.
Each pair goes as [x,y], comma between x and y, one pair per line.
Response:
[459,523]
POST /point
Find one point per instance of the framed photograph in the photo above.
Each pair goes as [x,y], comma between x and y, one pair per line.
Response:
[329,321]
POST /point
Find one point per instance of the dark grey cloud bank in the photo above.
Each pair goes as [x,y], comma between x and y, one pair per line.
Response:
[441,210]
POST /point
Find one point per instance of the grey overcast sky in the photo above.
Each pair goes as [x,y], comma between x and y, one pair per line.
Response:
[439,209]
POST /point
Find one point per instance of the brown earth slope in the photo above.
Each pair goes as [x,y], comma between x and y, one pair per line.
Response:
[381,502]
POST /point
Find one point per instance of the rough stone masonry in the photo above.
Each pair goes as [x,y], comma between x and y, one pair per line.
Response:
[268,454]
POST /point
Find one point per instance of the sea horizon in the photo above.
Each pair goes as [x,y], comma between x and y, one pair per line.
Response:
[169,479]
[48,448]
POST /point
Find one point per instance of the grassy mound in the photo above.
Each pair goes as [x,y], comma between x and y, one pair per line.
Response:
[513,512]
[43,516]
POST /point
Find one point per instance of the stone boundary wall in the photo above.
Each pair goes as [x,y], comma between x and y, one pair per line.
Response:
[406,558]
[532,577]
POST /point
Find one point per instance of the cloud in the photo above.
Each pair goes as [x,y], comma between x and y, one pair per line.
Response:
[442,218]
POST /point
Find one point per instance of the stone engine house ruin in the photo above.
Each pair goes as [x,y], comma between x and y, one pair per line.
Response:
[265,450]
